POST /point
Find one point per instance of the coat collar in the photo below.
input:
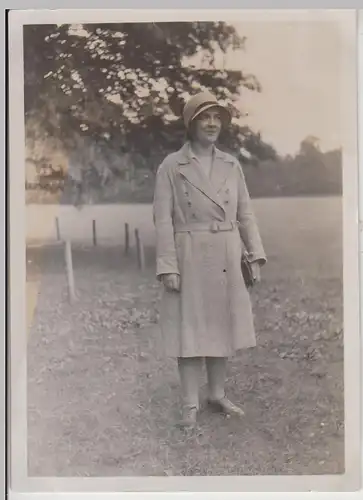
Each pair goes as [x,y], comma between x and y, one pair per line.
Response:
[186,155]
[210,187]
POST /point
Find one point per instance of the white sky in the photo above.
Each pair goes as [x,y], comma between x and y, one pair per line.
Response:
[297,65]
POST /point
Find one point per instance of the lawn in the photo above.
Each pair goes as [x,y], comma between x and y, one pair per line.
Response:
[103,400]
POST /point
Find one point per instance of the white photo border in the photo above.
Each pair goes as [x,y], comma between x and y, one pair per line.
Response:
[19,482]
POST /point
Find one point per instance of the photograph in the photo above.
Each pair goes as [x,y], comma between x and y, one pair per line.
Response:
[185,282]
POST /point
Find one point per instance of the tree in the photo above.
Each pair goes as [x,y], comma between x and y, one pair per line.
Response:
[123,85]
[258,149]
[310,145]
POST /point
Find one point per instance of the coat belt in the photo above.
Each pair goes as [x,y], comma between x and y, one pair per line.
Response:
[212,227]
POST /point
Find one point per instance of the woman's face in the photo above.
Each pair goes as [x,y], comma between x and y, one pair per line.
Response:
[208,126]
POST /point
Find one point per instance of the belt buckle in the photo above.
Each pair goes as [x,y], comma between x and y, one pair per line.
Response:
[214,227]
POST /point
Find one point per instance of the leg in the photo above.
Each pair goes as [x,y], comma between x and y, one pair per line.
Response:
[189,372]
[216,371]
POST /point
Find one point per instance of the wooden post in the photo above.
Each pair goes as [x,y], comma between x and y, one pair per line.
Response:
[127,239]
[57,228]
[70,274]
[94,233]
[139,250]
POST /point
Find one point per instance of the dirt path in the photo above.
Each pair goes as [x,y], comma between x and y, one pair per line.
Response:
[103,401]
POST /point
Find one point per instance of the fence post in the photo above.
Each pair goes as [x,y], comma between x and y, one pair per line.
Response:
[140,250]
[94,232]
[57,228]
[70,274]
[127,238]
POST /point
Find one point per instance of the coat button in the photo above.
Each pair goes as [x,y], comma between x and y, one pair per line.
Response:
[189,203]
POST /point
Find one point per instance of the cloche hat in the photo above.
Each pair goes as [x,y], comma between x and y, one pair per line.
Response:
[201,102]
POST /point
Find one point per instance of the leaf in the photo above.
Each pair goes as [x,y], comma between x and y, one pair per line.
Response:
[80,84]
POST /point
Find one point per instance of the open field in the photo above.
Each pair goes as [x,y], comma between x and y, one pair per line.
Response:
[103,401]
[76,224]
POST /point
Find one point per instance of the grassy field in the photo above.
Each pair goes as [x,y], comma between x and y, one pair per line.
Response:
[76,224]
[103,401]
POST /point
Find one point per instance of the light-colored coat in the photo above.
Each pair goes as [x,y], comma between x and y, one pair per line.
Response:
[211,315]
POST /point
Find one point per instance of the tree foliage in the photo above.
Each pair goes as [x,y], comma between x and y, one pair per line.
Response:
[310,172]
[122,86]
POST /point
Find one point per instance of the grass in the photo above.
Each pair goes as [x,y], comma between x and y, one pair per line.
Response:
[103,400]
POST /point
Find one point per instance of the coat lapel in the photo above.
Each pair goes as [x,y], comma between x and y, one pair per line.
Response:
[190,171]
[221,170]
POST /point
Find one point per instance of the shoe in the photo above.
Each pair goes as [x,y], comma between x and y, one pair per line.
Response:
[189,416]
[224,405]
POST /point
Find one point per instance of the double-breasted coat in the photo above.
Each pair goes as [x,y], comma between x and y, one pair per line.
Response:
[202,225]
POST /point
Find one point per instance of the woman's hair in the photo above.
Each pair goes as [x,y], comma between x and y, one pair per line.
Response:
[190,133]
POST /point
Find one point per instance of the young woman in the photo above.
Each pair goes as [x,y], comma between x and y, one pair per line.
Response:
[204,220]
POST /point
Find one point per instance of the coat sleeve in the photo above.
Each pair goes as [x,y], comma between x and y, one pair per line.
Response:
[248,225]
[166,259]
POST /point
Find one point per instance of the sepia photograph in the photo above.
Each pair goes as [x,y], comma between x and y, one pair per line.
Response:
[185,283]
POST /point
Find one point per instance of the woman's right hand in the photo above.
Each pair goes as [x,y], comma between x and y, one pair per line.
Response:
[171,282]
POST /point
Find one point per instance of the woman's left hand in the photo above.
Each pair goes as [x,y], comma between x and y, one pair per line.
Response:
[256,271]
